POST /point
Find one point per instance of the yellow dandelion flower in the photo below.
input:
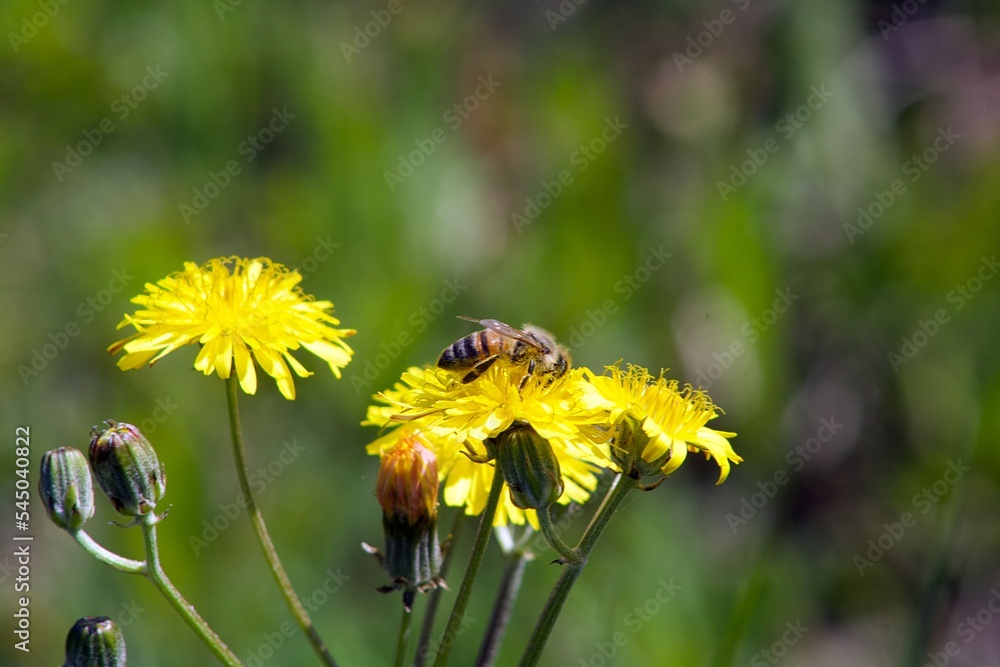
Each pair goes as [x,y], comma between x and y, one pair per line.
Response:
[456,419]
[672,419]
[234,308]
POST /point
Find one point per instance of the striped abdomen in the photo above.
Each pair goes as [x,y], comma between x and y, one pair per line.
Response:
[476,348]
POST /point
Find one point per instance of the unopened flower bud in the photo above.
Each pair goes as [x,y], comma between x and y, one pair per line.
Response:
[407,490]
[530,467]
[407,484]
[126,467]
[65,487]
[95,641]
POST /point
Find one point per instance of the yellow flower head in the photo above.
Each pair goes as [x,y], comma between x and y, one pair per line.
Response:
[456,419]
[671,419]
[234,307]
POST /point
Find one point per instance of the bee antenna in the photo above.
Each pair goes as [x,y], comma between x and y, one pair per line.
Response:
[470,319]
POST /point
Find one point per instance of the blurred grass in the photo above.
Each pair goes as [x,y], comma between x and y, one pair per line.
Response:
[322,181]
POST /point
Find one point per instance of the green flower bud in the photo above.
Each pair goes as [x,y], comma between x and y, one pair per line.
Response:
[65,487]
[95,641]
[530,467]
[126,467]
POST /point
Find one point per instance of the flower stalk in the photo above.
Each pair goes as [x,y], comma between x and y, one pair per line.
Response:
[260,528]
[510,585]
[120,563]
[434,599]
[154,572]
[472,570]
[557,598]
[403,638]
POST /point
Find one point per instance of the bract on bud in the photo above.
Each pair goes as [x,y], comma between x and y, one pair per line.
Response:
[95,641]
[631,449]
[530,467]
[65,487]
[126,467]
[407,490]
[627,447]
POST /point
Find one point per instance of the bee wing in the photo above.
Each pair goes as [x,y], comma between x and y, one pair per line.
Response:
[504,330]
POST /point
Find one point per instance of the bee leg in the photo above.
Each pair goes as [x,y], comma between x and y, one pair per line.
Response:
[527,374]
[479,369]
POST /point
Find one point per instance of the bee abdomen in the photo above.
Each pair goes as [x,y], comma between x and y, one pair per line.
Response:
[448,359]
[465,352]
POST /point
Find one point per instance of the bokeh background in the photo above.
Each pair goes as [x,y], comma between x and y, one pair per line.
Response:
[791,204]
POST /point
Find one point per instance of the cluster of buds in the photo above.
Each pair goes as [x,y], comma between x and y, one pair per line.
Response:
[126,468]
[407,490]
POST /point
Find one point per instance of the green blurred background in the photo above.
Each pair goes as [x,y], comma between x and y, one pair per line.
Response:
[785,196]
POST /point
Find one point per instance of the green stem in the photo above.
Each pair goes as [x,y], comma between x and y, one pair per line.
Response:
[568,553]
[257,519]
[183,607]
[404,636]
[120,563]
[547,620]
[510,585]
[434,599]
[475,560]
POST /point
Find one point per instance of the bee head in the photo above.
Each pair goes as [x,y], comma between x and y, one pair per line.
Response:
[554,357]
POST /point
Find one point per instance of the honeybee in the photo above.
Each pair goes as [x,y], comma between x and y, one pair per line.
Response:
[532,347]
